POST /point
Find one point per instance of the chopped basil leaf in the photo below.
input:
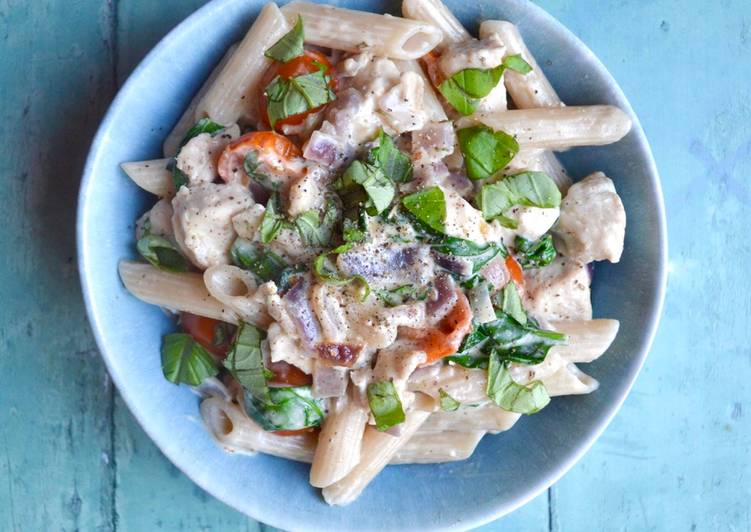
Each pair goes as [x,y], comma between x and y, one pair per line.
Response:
[286,279]
[379,188]
[290,97]
[272,221]
[532,189]
[517,64]
[526,344]
[179,178]
[251,164]
[290,45]
[185,361]
[326,271]
[428,206]
[511,303]
[466,88]
[479,361]
[385,404]
[478,255]
[355,230]
[288,408]
[394,164]
[511,396]
[448,403]
[263,263]
[486,151]
[204,125]
[315,230]
[507,222]
[402,294]
[161,253]
[245,361]
[537,254]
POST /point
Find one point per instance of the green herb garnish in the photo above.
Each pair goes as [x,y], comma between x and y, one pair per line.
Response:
[185,361]
[511,396]
[162,253]
[448,403]
[531,189]
[290,97]
[486,151]
[428,206]
[290,45]
[385,404]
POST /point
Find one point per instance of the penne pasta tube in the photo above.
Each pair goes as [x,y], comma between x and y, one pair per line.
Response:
[550,164]
[339,443]
[176,291]
[436,447]
[236,289]
[527,90]
[233,95]
[359,31]
[485,417]
[464,385]
[152,176]
[587,339]
[435,13]
[525,161]
[558,128]
[378,449]
[430,100]
[234,431]
[569,380]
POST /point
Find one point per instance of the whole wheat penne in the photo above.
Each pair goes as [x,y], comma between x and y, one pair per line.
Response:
[233,96]
[558,128]
[152,176]
[433,447]
[339,443]
[435,13]
[430,100]
[485,417]
[176,291]
[587,339]
[359,31]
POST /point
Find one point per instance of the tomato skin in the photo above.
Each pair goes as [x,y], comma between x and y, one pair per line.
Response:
[203,330]
[444,339]
[305,64]
[515,270]
[287,375]
[432,69]
[276,152]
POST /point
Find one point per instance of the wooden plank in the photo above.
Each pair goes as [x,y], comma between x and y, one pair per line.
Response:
[56,78]
[677,455]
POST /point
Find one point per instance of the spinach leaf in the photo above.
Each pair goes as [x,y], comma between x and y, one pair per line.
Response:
[162,253]
[245,361]
[511,396]
[428,206]
[485,151]
[394,164]
[402,294]
[478,255]
[263,263]
[290,45]
[287,408]
[290,97]
[532,189]
[537,254]
[448,403]
[185,361]
[385,404]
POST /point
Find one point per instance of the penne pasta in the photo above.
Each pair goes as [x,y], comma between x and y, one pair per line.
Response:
[559,128]
[527,90]
[152,176]
[183,292]
[236,289]
[232,96]
[433,447]
[435,13]
[431,102]
[340,441]
[464,385]
[587,339]
[550,164]
[378,449]
[484,417]
[359,31]
[569,380]
[188,118]
[235,432]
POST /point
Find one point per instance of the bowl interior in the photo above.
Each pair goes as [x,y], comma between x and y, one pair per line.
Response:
[506,470]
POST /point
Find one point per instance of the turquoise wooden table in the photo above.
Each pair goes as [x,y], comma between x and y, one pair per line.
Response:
[677,457]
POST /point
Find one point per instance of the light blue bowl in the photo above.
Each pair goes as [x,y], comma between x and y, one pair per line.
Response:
[507,470]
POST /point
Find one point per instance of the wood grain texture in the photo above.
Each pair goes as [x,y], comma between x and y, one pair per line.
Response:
[677,457]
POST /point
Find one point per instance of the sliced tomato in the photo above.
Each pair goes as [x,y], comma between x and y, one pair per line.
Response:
[444,339]
[214,335]
[287,375]
[432,69]
[305,64]
[275,153]
[515,270]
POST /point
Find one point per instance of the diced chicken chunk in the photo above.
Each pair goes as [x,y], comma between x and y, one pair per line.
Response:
[247,222]
[559,291]
[532,223]
[198,158]
[202,221]
[157,221]
[401,106]
[433,142]
[464,221]
[592,224]
[483,54]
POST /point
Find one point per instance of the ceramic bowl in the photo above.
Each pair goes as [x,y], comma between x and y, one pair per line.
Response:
[506,470]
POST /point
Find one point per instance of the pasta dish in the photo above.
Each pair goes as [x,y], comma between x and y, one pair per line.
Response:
[371,251]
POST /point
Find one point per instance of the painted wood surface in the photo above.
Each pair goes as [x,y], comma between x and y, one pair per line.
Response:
[677,457]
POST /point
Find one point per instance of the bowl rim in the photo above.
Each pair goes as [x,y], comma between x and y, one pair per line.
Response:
[472,520]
